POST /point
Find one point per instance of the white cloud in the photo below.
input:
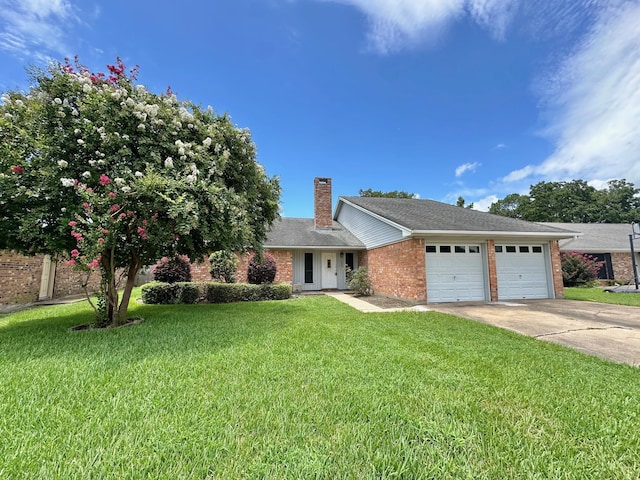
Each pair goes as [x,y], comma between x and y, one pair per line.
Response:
[466,167]
[35,28]
[500,146]
[520,174]
[593,104]
[394,24]
[484,203]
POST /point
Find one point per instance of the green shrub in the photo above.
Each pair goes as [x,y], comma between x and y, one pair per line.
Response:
[172,270]
[360,282]
[223,266]
[212,292]
[160,293]
[221,292]
[188,292]
[579,269]
[262,269]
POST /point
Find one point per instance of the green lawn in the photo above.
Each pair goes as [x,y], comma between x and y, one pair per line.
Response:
[599,295]
[305,388]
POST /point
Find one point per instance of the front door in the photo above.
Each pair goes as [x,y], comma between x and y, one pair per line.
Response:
[329,270]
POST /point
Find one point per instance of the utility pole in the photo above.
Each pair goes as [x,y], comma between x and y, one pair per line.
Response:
[635,229]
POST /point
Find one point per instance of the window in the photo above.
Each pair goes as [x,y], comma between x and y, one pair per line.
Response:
[474,249]
[431,249]
[536,249]
[445,248]
[511,249]
[524,249]
[308,268]
[498,248]
[348,260]
[460,249]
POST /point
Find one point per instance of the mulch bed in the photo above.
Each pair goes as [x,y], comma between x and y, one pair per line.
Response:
[387,302]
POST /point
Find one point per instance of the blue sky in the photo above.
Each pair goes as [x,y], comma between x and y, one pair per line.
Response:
[442,98]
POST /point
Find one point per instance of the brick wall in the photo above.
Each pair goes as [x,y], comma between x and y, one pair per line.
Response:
[284,263]
[19,277]
[200,271]
[398,270]
[69,281]
[556,269]
[622,266]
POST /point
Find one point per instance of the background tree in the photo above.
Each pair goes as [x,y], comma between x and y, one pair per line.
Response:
[461,202]
[393,194]
[513,205]
[573,202]
[103,172]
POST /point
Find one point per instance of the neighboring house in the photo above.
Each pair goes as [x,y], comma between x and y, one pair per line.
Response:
[608,243]
[420,250]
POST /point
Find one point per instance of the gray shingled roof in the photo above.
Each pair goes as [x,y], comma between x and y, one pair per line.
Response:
[597,237]
[300,232]
[429,215]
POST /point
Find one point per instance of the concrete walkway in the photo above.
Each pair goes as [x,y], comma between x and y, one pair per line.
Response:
[367,307]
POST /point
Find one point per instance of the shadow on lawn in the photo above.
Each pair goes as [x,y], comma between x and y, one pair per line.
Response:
[167,330]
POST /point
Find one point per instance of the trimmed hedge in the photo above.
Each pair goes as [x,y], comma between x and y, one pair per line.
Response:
[212,292]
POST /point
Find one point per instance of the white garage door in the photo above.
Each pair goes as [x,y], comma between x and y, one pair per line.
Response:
[455,273]
[522,272]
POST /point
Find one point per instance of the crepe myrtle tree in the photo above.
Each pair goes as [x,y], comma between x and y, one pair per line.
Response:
[97,169]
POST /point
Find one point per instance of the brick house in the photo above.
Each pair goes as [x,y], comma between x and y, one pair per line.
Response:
[608,243]
[420,250]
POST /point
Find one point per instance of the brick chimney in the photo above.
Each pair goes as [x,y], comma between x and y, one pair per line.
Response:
[323,216]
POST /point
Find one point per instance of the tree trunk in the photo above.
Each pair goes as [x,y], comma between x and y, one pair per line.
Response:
[134,267]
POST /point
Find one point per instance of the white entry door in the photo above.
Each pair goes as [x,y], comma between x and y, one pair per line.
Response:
[329,270]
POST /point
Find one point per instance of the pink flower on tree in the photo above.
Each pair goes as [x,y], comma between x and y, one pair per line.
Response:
[71,262]
[73,223]
[75,253]
[104,230]
[101,240]
[104,180]
[114,208]
[17,169]
[112,194]
[95,263]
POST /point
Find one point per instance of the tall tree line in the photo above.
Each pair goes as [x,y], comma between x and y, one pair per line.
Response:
[574,201]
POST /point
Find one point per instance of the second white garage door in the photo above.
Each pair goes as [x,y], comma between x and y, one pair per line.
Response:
[521,271]
[455,273]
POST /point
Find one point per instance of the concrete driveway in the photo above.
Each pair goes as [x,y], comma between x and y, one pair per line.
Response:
[608,331]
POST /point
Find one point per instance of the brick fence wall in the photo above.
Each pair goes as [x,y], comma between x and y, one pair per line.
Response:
[19,277]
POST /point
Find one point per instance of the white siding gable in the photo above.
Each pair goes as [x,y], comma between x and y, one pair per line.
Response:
[370,230]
